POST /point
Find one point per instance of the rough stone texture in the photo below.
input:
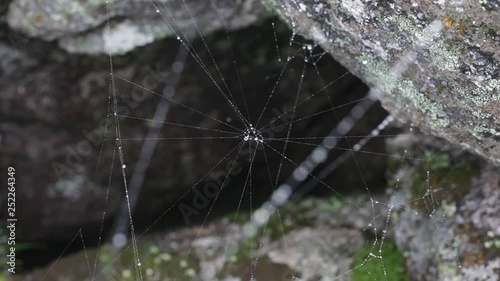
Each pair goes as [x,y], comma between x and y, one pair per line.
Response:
[219,250]
[318,253]
[452,89]
[450,230]
[81,26]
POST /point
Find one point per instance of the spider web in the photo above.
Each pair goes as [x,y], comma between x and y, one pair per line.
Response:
[245,129]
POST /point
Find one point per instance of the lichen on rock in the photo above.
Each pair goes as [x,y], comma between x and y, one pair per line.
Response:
[449,89]
[449,224]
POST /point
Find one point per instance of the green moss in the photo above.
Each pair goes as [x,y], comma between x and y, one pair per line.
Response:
[491,244]
[121,266]
[337,202]
[334,204]
[437,182]
[483,246]
[239,218]
[291,216]
[369,268]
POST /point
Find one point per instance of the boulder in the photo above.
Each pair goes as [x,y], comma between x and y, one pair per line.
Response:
[81,26]
[446,215]
[449,87]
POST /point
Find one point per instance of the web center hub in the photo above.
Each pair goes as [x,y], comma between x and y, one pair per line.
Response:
[251,134]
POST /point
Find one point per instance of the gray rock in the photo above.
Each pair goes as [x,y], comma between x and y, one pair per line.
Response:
[219,250]
[449,88]
[81,26]
[449,228]
[318,254]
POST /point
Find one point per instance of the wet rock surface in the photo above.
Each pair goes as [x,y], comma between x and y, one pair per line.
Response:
[451,85]
[449,225]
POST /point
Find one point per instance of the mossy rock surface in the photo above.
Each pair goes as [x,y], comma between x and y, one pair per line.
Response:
[434,64]
[449,224]
[389,263]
